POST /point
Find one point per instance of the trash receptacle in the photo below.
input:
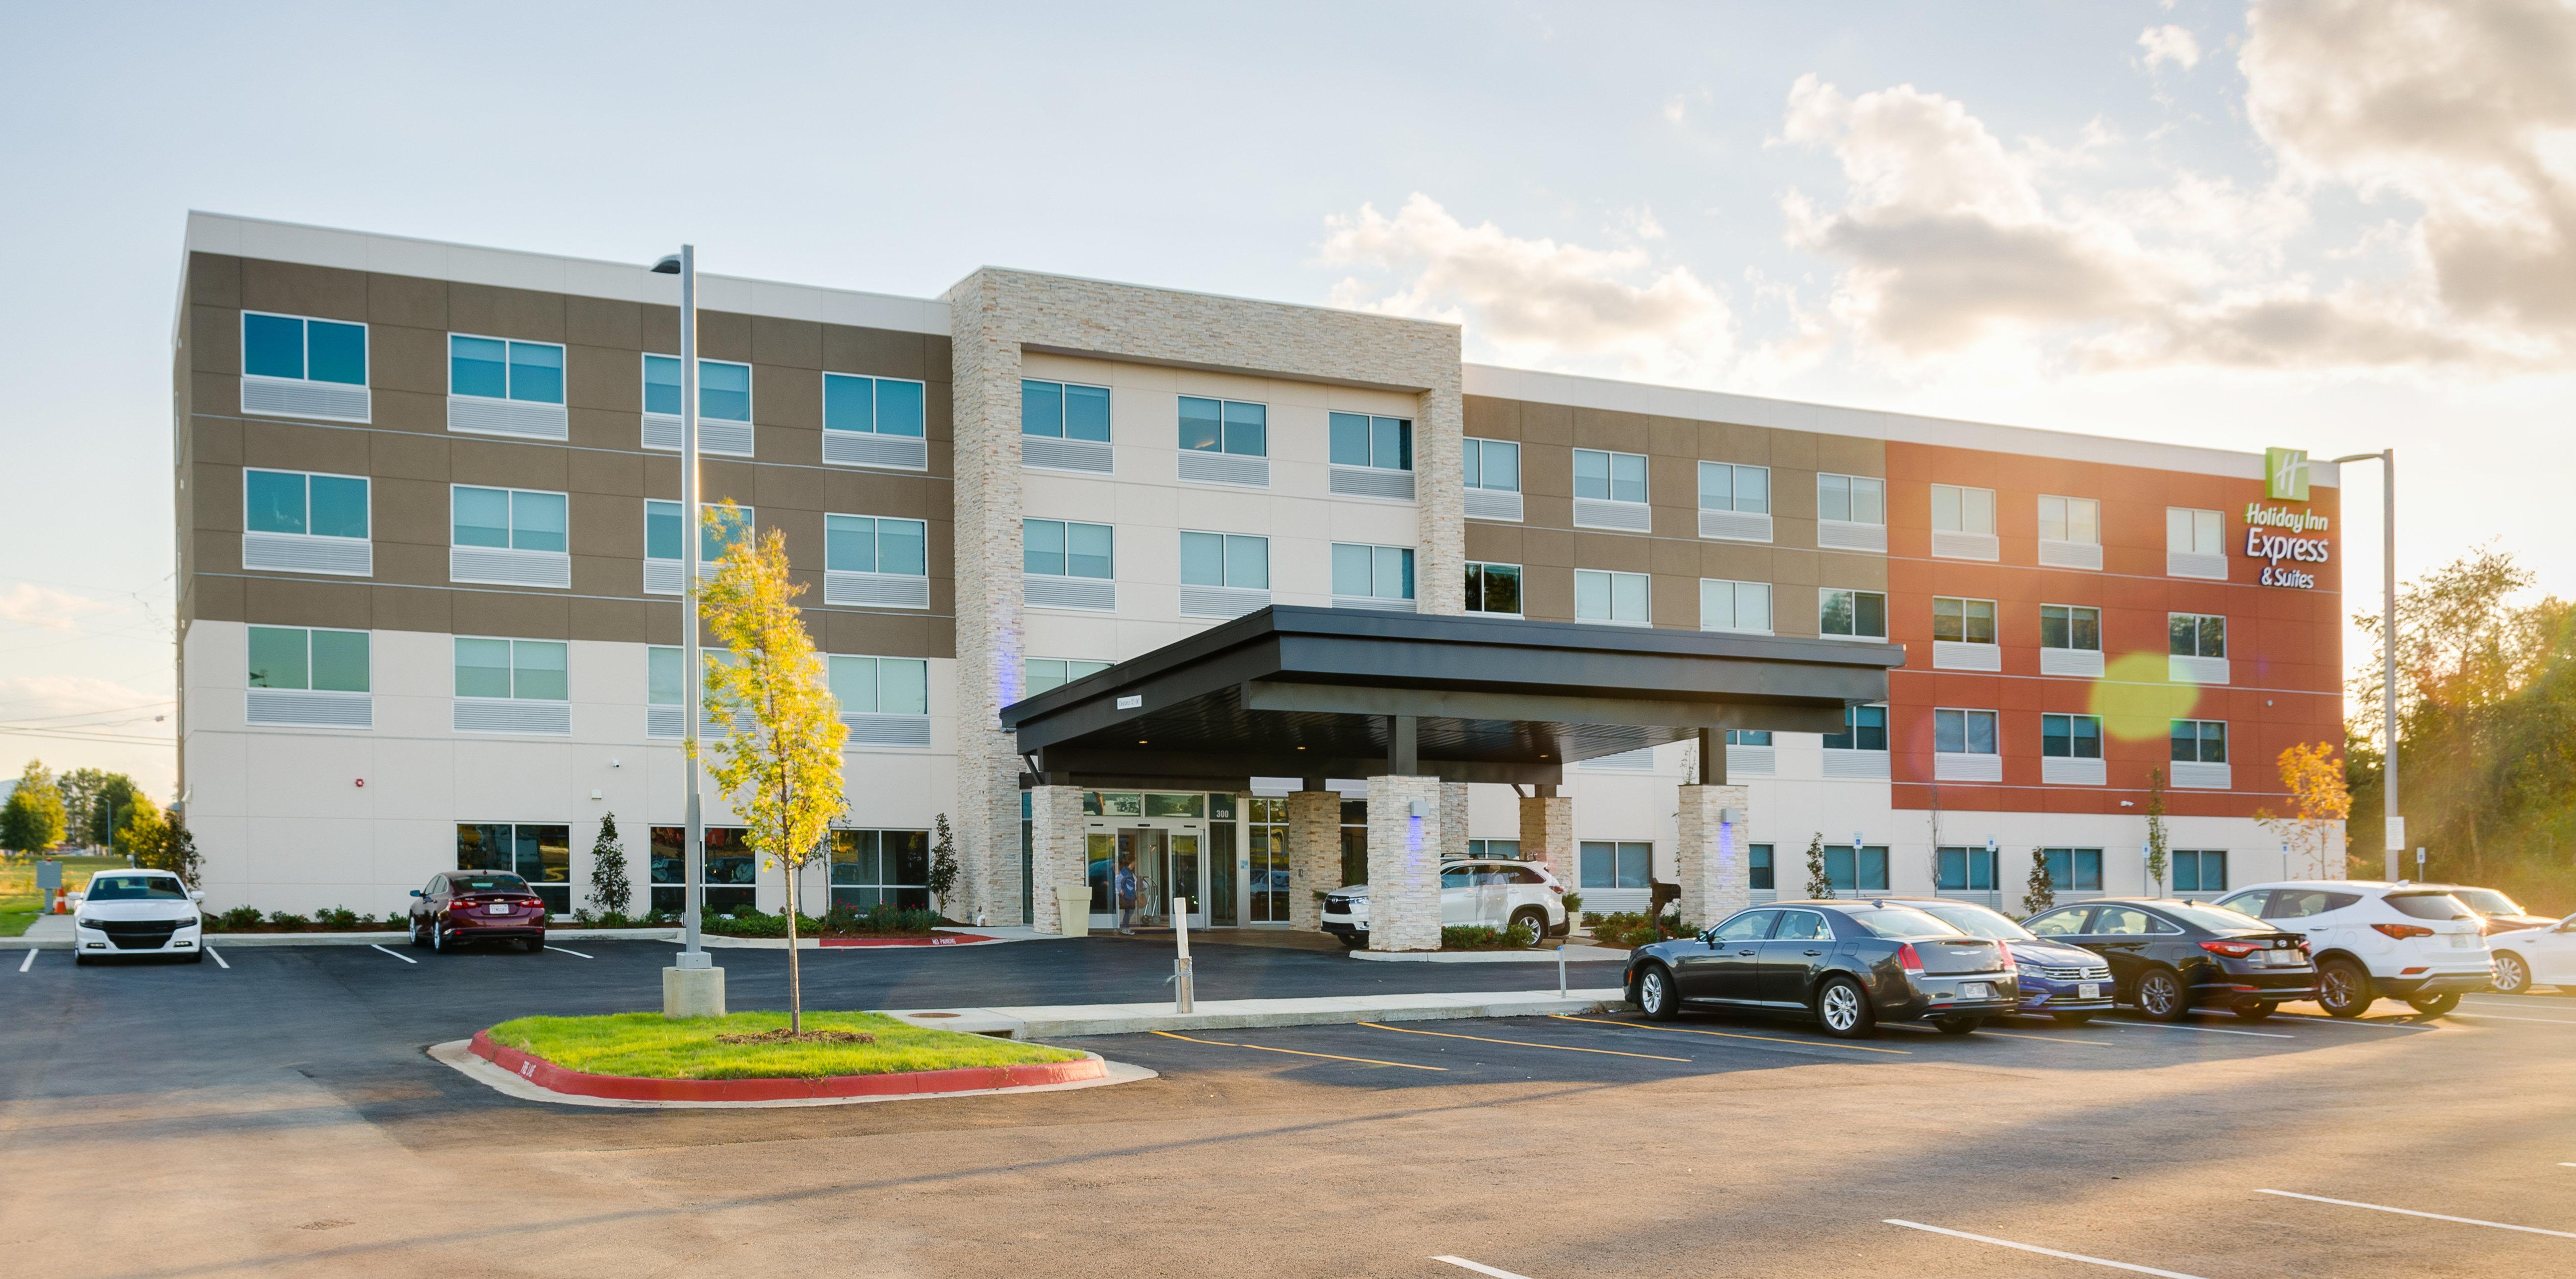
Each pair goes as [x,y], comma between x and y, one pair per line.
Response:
[1073,907]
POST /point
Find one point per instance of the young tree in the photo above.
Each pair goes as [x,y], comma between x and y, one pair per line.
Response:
[32,820]
[140,837]
[610,893]
[2318,800]
[1820,886]
[2156,828]
[176,852]
[2040,892]
[783,770]
[943,863]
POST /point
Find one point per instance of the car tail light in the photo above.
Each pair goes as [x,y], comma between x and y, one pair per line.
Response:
[2005,948]
[2403,931]
[1907,959]
[2231,949]
[538,902]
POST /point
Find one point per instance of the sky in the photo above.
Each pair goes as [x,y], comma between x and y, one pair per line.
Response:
[2344,225]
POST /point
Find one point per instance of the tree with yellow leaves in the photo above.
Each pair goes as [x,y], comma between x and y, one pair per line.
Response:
[782,762]
[2314,778]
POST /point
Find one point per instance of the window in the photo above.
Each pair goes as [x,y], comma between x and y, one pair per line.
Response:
[2194,532]
[728,883]
[304,504]
[1045,674]
[1965,870]
[1493,464]
[1225,426]
[499,369]
[2070,626]
[1857,870]
[2199,871]
[1759,864]
[2070,736]
[1616,598]
[1723,487]
[525,670]
[1853,499]
[1963,510]
[538,853]
[1852,614]
[2061,923]
[2195,635]
[874,544]
[2073,869]
[1501,849]
[1610,477]
[1748,737]
[871,405]
[880,685]
[724,388]
[1065,548]
[1064,410]
[872,868]
[1604,864]
[1380,443]
[2070,519]
[297,349]
[1864,729]
[662,532]
[2201,741]
[290,657]
[1372,572]
[1494,588]
[662,683]
[1734,606]
[1225,559]
[1963,732]
[1963,621]
[513,519]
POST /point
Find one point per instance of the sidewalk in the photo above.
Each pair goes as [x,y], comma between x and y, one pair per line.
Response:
[1067,1020]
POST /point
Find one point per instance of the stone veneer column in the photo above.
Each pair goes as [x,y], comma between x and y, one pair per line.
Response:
[1404,863]
[1314,854]
[1715,878]
[1440,502]
[1453,819]
[1547,835]
[1058,852]
[985,429]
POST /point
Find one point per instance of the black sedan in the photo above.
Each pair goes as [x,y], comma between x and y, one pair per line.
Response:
[2167,956]
[1850,964]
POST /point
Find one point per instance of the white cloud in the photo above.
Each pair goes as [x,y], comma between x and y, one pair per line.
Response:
[29,604]
[2169,44]
[55,697]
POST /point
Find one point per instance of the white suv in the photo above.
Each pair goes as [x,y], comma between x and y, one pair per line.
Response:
[2371,938]
[1496,894]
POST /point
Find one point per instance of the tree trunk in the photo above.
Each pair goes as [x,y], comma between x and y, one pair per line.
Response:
[795,976]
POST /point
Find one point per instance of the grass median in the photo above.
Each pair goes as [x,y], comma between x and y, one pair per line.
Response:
[650,1046]
[21,904]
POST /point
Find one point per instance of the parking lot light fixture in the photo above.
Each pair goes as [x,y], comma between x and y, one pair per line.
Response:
[684,264]
[2395,823]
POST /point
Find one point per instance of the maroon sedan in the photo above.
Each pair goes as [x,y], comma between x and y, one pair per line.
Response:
[461,906]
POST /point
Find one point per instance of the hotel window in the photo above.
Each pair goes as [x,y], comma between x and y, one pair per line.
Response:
[1493,466]
[880,685]
[499,369]
[2073,870]
[298,522]
[2070,640]
[728,882]
[2070,736]
[2198,871]
[1494,588]
[1735,502]
[1046,674]
[298,367]
[512,686]
[1610,491]
[1858,870]
[1224,442]
[1619,599]
[1734,606]
[2196,644]
[1963,523]
[2070,532]
[1851,513]
[314,678]
[662,545]
[1748,737]
[1621,864]
[873,421]
[1851,614]
[2199,741]
[1758,860]
[1864,729]
[538,853]
[872,868]
[1501,849]
[1064,426]
[1378,577]
[664,692]
[1963,732]
[1964,870]
[1224,574]
[724,405]
[1370,456]
[512,537]
[2195,543]
[1963,635]
[1069,564]
[874,561]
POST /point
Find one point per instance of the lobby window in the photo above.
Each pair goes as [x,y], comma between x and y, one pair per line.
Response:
[2195,543]
[1493,473]
[872,405]
[1223,574]
[500,369]
[1494,588]
[540,853]
[1864,729]
[1619,599]
[1962,621]
[1045,674]
[1616,864]
[1734,502]
[2070,626]
[1378,443]
[299,367]
[1963,732]
[1500,849]
[1857,870]
[728,869]
[2070,736]
[1851,513]
[523,670]
[1734,606]
[724,388]
[1225,426]
[1758,860]
[1851,614]
[1372,575]
[2199,741]
[1069,564]
[2198,871]
[2073,870]
[880,685]
[313,678]
[2195,635]
[876,544]
[872,868]
[1748,737]
[1964,870]
[1963,523]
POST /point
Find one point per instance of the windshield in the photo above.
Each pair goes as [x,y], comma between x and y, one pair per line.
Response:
[1902,921]
[136,888]
[2487,901]
[2429,906]
[1976,921]
[2217,918]
[488,884]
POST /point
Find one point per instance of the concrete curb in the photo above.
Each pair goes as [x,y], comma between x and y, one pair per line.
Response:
[1069,1020]
[458,1055]
[715,941]
[1573,955]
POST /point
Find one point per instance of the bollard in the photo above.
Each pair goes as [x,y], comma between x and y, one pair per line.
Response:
[1181,1000]
[1560,970]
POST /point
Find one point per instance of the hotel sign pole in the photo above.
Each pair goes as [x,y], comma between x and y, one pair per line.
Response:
[2395,824]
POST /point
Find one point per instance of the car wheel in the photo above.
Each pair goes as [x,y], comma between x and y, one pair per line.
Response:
[532,945]
[1958,1025]
[1350,942]
[1537,921]
[196,956]
[79,960]
[1655,994]
[1843,1007]
[2434,1005]
[2072,1019]
[2253,1009]
[2512,976]
[438,937]
[418,938]
[2160,995]
[2343,988]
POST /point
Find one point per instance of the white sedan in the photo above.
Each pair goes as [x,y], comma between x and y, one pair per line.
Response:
[2528,957]
[136,912]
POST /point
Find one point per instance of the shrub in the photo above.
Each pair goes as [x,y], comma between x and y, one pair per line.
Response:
[1478,937]
[285,919]
[240,917]
[748,922]
[1574,901]
[340,917]
[1627,928]
[880,920]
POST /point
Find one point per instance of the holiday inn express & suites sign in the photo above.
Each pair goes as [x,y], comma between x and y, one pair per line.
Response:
[2270,530]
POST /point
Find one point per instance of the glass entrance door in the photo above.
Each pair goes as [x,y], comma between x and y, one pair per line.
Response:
[1149,867]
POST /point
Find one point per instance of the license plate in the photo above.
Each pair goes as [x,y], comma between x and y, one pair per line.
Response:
[2088,990]
[497,908]
[2464,941]
[1976,990]
[2283,958]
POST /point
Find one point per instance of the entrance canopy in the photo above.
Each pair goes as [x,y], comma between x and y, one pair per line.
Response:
[1322,692]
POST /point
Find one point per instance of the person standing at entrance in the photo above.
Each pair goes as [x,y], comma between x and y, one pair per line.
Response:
[1125,886]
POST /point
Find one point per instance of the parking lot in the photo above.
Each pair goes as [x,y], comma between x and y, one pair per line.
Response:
[274,1114]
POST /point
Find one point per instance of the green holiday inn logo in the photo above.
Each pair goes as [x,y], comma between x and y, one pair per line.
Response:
[2285,474]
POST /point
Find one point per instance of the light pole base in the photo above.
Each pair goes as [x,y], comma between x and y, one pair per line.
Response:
[693,992]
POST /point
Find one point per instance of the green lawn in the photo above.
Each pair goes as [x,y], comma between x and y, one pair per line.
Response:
[19,905]
[650,1046]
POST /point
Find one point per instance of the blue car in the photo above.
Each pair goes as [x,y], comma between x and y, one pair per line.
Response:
[2066,982]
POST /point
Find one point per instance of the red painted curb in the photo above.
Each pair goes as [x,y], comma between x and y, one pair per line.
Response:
[554,1078]
[940,939]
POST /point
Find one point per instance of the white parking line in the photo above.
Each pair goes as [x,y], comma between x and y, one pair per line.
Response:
[2409,1212]
[217,956]
[2045,1252]
[2352,1021]
[2206,1030]
[396,954]
[574,953]
[29,961]
[2545,1021]
[1479,1267]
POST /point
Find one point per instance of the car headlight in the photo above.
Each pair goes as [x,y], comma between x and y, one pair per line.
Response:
[89,924]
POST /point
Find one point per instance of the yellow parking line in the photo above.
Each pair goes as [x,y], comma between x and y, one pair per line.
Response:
[1369,1061]
[1728,1034]
[1522,1043]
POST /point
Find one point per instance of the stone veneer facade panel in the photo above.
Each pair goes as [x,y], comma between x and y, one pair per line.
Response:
[1058,855]
[1710,859]
[1314,854]
[1404,862]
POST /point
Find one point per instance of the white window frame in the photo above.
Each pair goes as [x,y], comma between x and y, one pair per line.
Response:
[1964,540]
[323,401]
[1736,591]
[1613,578]
[1069,589]
[511,565]
[308,552]
[1844,534]
[665,579]
[308,707]
[2081,663]
[512,714]
[1968,764]
[1373,601]
[1967,654]
[2071,769]
[1028,676]
[1824,598]
[2066,550]
[1343,479]
[1732,522]
[1224,598]
[1060,451]
[903,729]
[504,415]
[730,437]
[1612,512]
[874,447]
[2203,537]
[876,587]
[2196,667]
[1520,573]
[1221,465]
[2198,774]
[1486,501]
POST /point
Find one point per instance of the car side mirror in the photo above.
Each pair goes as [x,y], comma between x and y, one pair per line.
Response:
[415,892]
[76,898]
[196,896]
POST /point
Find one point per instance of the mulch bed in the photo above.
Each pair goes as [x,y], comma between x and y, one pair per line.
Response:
[783,1035]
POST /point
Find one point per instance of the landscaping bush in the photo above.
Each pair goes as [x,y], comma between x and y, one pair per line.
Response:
[341,917]
[749,922]
[1573,902]
[285,919]
[1627,928]
[239,918]
[1520,936]
[882,920]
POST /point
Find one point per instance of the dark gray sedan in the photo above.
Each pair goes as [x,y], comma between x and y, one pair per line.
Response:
[1850,964]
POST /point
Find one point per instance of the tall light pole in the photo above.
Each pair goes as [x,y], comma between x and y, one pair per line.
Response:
[693,956]
[2396,825]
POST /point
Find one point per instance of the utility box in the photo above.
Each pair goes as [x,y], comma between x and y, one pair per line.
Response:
[49,875]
